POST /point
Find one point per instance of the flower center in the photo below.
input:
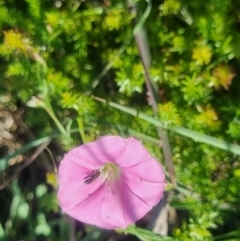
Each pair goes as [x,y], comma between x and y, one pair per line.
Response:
[110,171]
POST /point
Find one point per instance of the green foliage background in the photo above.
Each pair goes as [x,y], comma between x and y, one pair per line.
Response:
[56,55]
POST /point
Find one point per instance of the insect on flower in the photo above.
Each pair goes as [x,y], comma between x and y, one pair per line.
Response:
[92,176]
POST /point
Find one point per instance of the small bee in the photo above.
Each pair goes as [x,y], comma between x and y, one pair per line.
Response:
[92,176]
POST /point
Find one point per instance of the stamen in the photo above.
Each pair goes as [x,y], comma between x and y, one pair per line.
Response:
[110,172]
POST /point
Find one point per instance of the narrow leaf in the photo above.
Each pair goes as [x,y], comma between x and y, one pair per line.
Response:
[196,136]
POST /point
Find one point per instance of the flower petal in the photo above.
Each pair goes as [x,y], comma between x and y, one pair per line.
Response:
[70,171]
[103,209]
[87,155]
[112,208]
[133,154]
[107,202]
[111,146]
[88,210]
[72,189]
[72,195]
[146,181]
[122,207]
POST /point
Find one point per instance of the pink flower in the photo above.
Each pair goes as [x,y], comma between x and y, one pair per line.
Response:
[110,183]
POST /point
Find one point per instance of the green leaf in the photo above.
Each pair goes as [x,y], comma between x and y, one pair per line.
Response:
[16,201]
[143,234]
[42,226]
[23,210]
[41,190]
[2,233]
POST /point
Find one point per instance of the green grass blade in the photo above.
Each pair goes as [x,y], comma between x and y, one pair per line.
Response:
[224,145]
[138,135]
[196,136]
[234,235]
[144,17]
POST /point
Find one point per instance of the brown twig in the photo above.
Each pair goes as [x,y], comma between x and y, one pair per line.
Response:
[39,150]
[159,221]
[144,53]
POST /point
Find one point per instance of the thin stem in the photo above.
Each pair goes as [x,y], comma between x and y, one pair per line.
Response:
[106,69]
[144,52]
[39,150]
[81,129]
[51,113]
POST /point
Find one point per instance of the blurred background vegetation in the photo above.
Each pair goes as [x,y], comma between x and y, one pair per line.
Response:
[72,70]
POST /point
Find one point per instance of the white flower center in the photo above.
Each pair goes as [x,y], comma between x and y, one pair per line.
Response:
[110,171]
